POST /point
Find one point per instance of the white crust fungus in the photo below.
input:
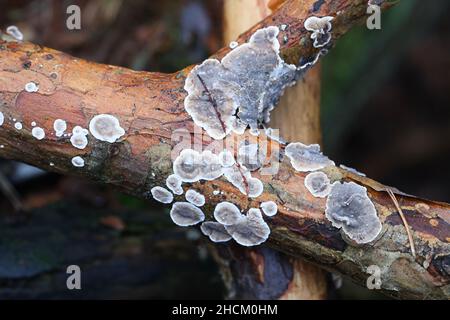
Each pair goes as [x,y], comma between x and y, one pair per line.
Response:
[33,124]
[38,133]
[59,126]
[78,162]
[18,125]
[251,230]
[349,207]
[247,83]
[192,166]
[233,44]
[106,127]
[226,158]
[2,118]
[242,179]
[215,231]
[173,182]
[161,194]
[31,87]
[227,213]
[251,156]
[79,137]
[14,32]
[195,198]
[306,158]
[269,208]
[318,184]
[320,28]
[186,214]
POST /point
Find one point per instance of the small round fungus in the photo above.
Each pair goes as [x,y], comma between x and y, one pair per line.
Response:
[252,230]
[18,125]
[227,213]
[349,207]
[79,141]
[14,32]
[106,127]
[2,118]
[233,44]
[186,214]
[318,184]
[306,158]
[161,194]
[38,133]
[173,182]
[226,158]
[269,208]
[78,162]
[59,126]
[195,198]
[31,87]
[80,130]
[33,124]
[192,166]
[215,231]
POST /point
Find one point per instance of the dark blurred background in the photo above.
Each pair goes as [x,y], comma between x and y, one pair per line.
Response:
[385,112]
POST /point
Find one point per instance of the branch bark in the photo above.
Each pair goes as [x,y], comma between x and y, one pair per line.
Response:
[150,107]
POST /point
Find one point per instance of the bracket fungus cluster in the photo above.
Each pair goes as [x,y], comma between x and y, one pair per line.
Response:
[245,85]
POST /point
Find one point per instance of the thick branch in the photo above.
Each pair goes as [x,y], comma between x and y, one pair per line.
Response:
[150,107]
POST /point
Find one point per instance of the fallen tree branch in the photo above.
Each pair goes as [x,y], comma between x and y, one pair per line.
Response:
[150,107]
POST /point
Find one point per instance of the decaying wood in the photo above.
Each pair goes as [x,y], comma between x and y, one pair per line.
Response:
[150,107]
[249,272]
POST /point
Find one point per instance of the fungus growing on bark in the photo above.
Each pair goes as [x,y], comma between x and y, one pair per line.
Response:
[251,156]
[59,126]
[269,208]
[2,118]
[79,139]
[227,213]
[18,125]
[349,207]
[226,158]
[33,124]
[14,32]
[38,133]
[161,194]
[318,184]
[195,198]
[106,127]
[215,231]
[192,166]
[306,158]
[320,28]
[186,214]
[233,44]
[251,230]
[242,179]
[78,162]
[248,82]
[31,87]
[174,182]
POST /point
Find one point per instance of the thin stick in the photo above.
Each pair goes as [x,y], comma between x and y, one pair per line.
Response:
[405,223]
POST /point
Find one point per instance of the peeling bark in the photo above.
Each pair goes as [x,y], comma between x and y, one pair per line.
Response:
[150,107]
